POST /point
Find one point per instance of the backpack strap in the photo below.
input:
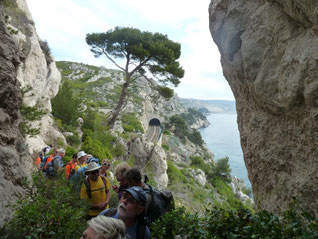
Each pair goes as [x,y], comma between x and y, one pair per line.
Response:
[111,212]
[88,187]
[141,228]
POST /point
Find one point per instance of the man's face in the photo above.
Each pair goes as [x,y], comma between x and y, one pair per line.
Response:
[93,175]
[128,207]
[81,159]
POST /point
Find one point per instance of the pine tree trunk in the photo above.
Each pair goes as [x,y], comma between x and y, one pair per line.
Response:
[122,100]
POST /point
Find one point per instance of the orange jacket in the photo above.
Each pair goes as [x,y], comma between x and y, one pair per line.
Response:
[49,159]
[37,162]
[69,167]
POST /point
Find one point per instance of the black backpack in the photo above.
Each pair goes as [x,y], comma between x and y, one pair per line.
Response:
[161,202]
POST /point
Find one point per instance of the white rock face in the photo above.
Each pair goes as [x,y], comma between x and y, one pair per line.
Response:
[237,186]
[269,52]
[41,78]
[144,152]
[198,175]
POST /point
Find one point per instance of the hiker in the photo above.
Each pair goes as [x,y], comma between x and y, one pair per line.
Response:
[105,166]
[158,202]
[47,149]
[90,158]
[38,160]
[70,167]
[104,228]
[56,165]
[131,211]
[134,178]
[81,160]
[95,189]
[120,174]
[46,160]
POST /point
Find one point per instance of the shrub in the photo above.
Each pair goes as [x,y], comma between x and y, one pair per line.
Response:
[130,123]
[222,223]
[95,148]
[198,162]
[195,137]
[165,147]
[50,209]
[65,105]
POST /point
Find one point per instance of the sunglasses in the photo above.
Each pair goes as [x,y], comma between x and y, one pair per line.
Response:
[106,164]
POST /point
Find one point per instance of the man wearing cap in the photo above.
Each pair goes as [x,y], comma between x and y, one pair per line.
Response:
[96,190]
[131,210]
[81,157]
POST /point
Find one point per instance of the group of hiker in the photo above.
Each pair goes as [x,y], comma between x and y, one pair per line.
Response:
[138,202]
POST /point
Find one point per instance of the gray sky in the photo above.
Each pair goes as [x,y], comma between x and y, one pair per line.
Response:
[65,23]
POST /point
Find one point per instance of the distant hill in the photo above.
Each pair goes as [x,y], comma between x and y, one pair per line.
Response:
[210,106]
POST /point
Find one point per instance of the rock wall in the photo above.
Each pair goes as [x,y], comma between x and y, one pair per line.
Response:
[37,73]
[13,152]
[269,54]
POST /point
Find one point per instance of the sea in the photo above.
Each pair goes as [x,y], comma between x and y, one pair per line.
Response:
[223,139]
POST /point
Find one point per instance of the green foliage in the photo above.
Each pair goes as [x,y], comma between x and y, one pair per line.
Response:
[30,114]
[166,92]
[198,162]
[174,174]
[180,126]
[221,223]
[154,52]
[195,137]
[222,169]
[95,148]
[192,115]
[130,123]
[65,105]
[49,209]
[165,147]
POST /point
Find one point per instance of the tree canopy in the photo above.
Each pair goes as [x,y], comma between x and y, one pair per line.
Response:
[142,52]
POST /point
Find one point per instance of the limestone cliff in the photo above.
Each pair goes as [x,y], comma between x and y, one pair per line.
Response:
[269,54]
[37,73]
[13,152]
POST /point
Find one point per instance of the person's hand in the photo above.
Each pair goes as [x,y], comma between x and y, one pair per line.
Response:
[115,188]
[102,205]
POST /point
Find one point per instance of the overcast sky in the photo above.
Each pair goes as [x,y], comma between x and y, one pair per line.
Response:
[65,23]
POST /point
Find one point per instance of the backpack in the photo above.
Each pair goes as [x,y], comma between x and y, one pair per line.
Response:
[141,227]
[50,172]
[43,162]
[50,169]
[160,203]
[88,186]
[72,171]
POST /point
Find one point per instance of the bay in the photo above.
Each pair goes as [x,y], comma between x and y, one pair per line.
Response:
[223,139]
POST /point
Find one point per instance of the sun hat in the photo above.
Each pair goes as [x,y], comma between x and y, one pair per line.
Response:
[138,194]
[92,159]
[81,154]
[92,166]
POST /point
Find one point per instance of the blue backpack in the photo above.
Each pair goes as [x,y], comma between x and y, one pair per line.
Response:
[43,162]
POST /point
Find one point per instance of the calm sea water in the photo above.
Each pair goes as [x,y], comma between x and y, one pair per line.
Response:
[222,138]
